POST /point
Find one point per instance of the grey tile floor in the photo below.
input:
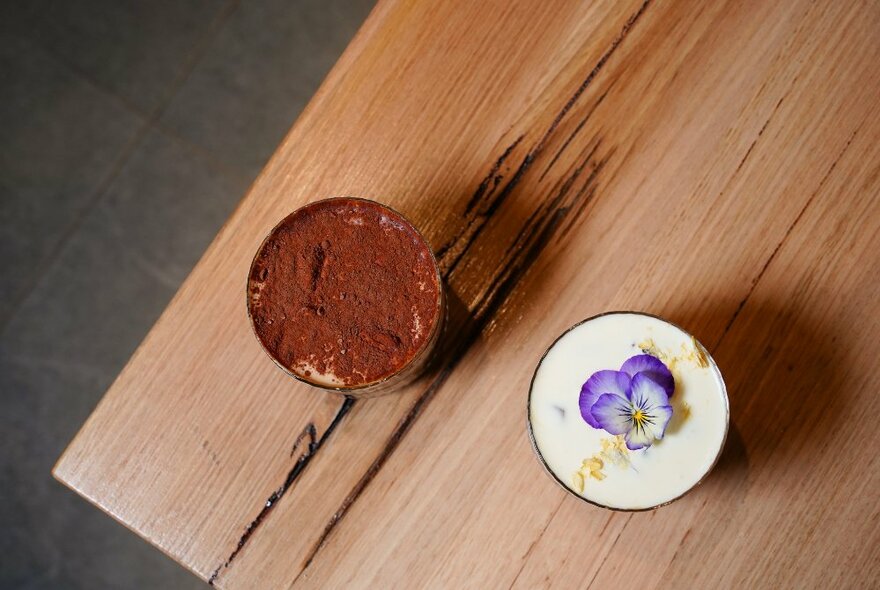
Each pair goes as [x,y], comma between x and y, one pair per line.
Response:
[129,129]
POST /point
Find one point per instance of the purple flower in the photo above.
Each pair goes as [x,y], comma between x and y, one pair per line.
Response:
[651,367]
[601,382]
[633,402]
[641,417]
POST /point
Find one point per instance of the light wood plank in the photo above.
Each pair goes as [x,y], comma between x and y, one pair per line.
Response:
[449,535]
[712,162]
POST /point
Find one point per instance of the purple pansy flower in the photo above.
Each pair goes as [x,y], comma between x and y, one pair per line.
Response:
[641,418]
[633,402]
[601,382]
[651,367]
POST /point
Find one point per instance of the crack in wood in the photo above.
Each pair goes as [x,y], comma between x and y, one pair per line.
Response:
[757,137]
[613,545]
[574,133]
[396,436]
[585,195]
[627,26]
[553,203]
[493,177]
[527,245]
[791,227]
[449,254]
[525,558]
[607,522]
[309,433]
[477,216]
[758,279]
[530,241]
[534,236]
[679,548]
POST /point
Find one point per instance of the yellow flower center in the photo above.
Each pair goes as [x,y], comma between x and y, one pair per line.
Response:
[638,417]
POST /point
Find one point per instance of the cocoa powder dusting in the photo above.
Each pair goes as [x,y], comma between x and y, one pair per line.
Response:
[344,292]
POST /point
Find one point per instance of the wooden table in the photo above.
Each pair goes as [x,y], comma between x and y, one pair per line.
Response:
[717,163]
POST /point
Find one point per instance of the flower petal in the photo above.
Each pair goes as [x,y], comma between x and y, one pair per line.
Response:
[649,397]
[658,420]
[601,382]
[613,413]
[647,393]
[653,368]
[638,438]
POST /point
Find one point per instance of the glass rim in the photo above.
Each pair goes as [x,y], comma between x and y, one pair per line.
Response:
[426,345]
[540,456]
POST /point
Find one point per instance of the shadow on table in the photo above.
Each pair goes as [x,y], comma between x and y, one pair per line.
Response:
[474,298]
[784,370]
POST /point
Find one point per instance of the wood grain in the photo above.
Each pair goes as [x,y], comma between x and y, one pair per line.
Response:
[715,163]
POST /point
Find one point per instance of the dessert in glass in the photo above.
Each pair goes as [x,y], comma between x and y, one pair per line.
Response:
[627,411]
[345,294]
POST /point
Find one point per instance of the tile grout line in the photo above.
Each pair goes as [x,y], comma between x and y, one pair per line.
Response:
[148,117]
[193,58]
[103,185]
[86,77]
[43,266]
[151,118]
[204,155]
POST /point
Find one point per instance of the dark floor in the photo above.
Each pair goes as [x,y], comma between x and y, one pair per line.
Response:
[129,129]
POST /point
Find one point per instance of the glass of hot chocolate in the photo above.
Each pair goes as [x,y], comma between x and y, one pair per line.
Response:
[345,294]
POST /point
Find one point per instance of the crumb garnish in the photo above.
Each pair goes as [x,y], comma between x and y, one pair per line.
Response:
[614,452]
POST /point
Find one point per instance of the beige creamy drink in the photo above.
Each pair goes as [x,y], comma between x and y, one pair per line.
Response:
[628,411]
